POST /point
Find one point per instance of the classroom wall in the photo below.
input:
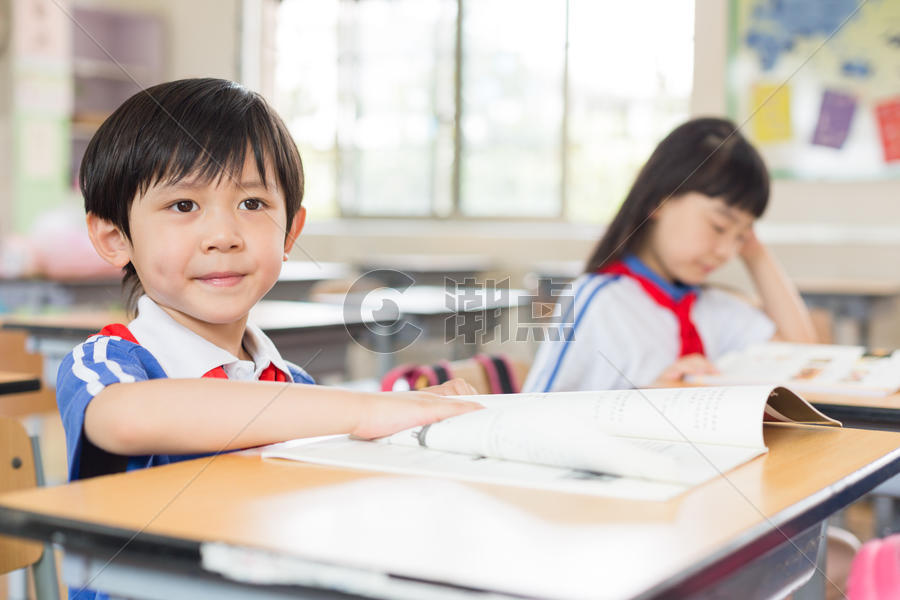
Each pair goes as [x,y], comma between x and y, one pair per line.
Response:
[202,39]
[844,203]
[203,35]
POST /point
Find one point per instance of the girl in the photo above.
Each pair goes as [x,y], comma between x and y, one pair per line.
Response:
[640,314]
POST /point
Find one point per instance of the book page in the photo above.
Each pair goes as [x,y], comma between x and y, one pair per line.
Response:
[786,406]
[597,431]
[731,416]
[810,368]
[342,451]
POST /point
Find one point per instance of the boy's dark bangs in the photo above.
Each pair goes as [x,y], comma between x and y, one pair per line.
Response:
[207,147]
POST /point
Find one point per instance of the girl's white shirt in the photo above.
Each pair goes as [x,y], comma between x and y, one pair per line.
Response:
[612,335]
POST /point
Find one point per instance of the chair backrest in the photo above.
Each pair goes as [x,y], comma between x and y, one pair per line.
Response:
[488,374]
[14,357]
[16,473]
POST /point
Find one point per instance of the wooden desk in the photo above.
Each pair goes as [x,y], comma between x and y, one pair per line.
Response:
[871,412]
[302,331]
[735,536]
[298,277]
[17,383]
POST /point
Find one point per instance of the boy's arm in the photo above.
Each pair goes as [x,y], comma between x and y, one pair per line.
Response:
[780,298]
[192,416]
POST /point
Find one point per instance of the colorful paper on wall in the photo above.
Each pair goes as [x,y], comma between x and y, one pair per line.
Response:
[772,108]
[835,116]
[888,113]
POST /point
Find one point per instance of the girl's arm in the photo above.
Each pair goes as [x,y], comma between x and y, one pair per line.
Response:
[192,416]
[780,298]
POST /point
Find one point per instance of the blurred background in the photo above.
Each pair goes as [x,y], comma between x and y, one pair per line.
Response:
[493,138]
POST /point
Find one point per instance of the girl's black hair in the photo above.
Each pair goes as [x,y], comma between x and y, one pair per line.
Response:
[704,155]
[200,127]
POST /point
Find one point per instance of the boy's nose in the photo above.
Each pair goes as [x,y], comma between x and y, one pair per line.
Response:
[222,233]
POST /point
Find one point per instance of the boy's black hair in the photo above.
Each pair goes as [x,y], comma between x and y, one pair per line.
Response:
[167,132]
[705,155]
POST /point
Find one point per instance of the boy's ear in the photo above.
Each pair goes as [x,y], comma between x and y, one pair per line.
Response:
[109,241]
[296,228]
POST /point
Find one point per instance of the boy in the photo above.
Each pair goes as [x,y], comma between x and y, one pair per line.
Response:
[193,187]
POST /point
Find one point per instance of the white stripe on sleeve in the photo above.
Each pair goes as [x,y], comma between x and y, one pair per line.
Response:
[84,373]
[100,356]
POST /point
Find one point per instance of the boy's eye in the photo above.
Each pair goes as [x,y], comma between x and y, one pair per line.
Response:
[252,204]
[185,206]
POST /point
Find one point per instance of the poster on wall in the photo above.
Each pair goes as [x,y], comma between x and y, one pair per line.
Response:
[816,85]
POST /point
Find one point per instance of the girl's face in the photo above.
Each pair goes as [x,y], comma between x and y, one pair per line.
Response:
[692,235]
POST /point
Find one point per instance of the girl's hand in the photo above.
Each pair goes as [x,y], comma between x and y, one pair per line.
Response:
[454,387]
[690,364]
[752,247]
[386,413]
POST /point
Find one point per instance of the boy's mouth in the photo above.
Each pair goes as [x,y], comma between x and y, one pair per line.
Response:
[221,279]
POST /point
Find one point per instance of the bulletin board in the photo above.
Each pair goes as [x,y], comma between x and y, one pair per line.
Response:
[815,85]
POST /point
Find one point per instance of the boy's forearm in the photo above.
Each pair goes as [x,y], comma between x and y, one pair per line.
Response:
[780,298]
[186,416]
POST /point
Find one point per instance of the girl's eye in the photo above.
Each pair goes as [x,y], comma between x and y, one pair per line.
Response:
[185,206]
[718,228]
[251,204]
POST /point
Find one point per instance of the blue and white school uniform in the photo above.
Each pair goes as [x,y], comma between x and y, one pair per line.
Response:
[159,347]
[615,335]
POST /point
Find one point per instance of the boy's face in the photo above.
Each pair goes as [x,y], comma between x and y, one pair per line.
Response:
[692,235]
[207,252]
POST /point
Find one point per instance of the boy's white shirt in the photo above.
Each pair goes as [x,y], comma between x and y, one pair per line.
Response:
[625,339]
[185,355]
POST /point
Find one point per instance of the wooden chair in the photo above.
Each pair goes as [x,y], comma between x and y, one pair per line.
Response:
[20,469]
[15,357]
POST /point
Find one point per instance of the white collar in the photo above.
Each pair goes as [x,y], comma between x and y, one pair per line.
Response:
[185,355]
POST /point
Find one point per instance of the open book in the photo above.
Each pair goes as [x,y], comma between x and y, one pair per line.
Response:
[817,368]
[644,444]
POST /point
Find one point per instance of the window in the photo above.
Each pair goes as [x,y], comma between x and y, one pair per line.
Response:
[558,105]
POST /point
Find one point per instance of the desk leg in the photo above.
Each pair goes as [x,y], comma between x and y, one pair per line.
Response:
[383,344]
[814,589]
[46,582]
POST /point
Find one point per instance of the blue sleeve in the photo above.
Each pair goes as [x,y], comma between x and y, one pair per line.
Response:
[87,370]
[298,374]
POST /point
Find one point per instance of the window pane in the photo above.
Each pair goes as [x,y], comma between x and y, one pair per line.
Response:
[629,85]
[367,89]
[306,93]
[512,107]
[396,105]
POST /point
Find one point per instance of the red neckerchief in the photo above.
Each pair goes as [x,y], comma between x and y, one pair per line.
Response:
[270,373]
[690,337]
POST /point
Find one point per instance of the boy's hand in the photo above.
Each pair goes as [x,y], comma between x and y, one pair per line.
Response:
[389,412]
[453,387]
[691,364]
